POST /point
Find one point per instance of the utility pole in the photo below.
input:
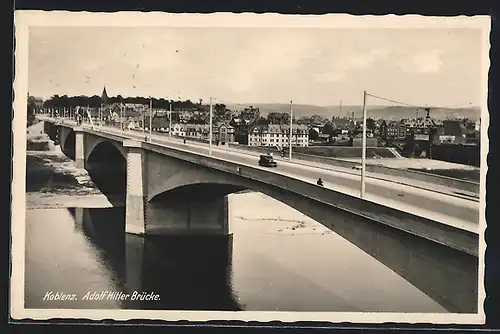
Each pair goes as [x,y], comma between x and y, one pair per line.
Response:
[121,116]
[210,130]
[170,121]
[143,121]
[150,119]
[363,153]
[290,135]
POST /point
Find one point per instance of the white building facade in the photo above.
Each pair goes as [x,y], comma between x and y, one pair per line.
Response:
[278,135]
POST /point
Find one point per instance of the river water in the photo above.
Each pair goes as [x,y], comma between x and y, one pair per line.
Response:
[275,259]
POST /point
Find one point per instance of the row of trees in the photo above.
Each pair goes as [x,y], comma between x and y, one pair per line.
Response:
[95,101]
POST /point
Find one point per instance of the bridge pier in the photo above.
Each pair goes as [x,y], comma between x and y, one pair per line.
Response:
[79,147]
[134,263]
[136,196]
[181,215]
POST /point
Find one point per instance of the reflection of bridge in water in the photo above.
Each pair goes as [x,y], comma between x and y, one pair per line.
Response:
[172,267]
[174,190]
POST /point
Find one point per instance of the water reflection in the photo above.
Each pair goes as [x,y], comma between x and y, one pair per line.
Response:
[260,267]
[95,255]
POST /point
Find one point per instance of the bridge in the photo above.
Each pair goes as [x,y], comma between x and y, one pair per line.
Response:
[170,188]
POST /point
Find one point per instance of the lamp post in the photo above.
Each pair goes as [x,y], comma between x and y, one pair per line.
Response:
[121,116]
[210,130]
[363,152]
[150,119]
[170,121]
[290,134]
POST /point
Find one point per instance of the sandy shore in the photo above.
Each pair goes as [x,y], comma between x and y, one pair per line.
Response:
[53,181]
[57,201]
[272,216]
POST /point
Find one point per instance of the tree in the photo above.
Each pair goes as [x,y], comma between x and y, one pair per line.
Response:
[31,110]
[370,124]
[220,110]
[262,121]
[313,134]
[328,128]
[278,118]
[316,119]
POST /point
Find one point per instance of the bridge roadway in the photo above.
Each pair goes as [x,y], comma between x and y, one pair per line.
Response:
[447,209]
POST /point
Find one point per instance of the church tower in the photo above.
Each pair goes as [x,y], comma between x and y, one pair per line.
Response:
[104,96]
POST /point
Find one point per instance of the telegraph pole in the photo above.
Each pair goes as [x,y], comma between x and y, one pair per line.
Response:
[150,119]
[363,153]
[121,116]
[143,120]
[170,121]
[210,130]
[290,135]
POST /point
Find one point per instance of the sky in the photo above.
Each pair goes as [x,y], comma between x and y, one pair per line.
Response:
[319,66]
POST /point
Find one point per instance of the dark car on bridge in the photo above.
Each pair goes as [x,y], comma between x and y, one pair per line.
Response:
[267,161]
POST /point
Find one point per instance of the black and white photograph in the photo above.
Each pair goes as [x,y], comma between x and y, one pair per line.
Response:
[249,167]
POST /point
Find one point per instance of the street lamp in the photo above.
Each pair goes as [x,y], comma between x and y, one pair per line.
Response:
[363,152]
[210,130]
[150,119]
[290,134]
[121,116]
[170,121]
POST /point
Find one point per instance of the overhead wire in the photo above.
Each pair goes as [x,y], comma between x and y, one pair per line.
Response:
[395,101]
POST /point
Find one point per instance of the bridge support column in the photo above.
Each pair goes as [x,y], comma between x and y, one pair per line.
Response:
[185,216]
[79,148]
[136,197]
[134,263]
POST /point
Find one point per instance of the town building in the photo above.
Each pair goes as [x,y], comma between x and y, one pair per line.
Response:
[393,131]
[278,135]
[222,132]
[342,125]
[244,123]
[453,132]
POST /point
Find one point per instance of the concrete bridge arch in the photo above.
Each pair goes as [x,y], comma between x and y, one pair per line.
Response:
[92,143]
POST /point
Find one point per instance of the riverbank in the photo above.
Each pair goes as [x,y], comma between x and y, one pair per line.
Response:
[53,181]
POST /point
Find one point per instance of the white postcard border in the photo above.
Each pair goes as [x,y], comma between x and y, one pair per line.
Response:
[26,19]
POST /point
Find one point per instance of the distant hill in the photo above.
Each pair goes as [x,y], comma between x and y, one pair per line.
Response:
[385,112]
